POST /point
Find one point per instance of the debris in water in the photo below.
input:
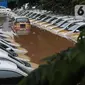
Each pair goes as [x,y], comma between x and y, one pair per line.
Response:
[33,55]
[31,42]
[34,33]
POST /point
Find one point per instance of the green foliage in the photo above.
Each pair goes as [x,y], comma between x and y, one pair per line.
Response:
[57,6]
[61,6]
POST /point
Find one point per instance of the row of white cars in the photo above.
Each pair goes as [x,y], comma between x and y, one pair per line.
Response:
[65,26]
[12,65]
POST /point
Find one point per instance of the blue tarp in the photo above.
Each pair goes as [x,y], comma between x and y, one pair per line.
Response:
[3,3]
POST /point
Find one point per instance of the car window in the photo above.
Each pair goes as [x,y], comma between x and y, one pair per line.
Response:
[70,25]
[51,20]
[32,15]
[58,20]
[4,46]
[25,13]
[80,29]
[59,23]
[8,44]
[28,14]
[7,49]
[42,16]
[37,15]
[46,18]
[64,24]
[73,27]
[22,20]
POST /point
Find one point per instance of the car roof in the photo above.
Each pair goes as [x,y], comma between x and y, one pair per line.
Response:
[68,18]
[4,63]
[81,23]
[75,20]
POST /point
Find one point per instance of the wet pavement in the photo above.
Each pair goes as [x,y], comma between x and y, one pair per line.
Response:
[41,44]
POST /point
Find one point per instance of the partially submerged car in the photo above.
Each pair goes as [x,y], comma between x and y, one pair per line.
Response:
[71,29]
[21,24]
[65,25]
[12,48]
[4,9]
[13,69]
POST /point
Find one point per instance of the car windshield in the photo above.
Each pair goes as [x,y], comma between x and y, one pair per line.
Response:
[64,24]
[41,17]
[37,15]
[46,18]
[73,27]
[51,19]
[61,22]
[11,52]
[22,19]
[57,21]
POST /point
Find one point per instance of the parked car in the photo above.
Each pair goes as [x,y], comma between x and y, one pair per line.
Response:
[14,69]
[38,19]
[38,23]
[53,23]
[28,14]
[23,14]
[49,22]
[4,9]
[10,43]
[10,74]
[19,62]
[21,24]
[65,25]
[11,48]
[76,27]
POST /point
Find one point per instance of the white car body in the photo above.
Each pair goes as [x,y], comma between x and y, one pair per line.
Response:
[8,47]
[53,19]
[51,26]
[10,34]
[16,62]
[58,24]
[23,14]
[64,26]
[10,43]
[4,9]
[10,66]
[73,29]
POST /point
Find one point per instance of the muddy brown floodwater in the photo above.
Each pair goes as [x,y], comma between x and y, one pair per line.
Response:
[41,44]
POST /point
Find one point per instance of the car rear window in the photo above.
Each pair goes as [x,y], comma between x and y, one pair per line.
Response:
[22,19]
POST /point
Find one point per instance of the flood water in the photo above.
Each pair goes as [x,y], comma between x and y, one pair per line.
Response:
[41,44]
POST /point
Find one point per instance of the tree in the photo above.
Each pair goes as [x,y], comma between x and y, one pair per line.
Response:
[61,6]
